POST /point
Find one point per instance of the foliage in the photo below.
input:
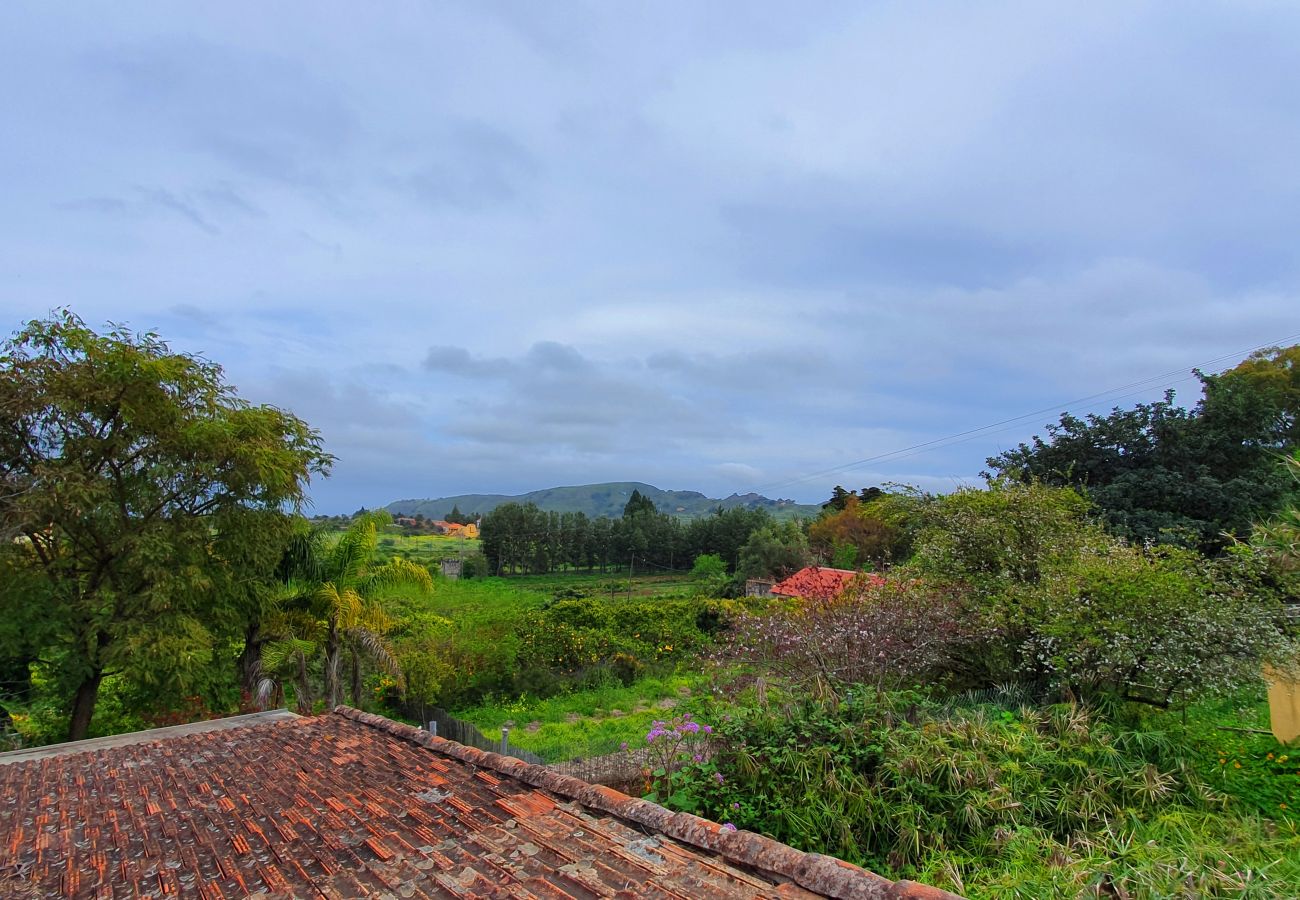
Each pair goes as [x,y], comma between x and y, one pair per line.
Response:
[887,632]
[522,538]
[579,638]
[1150,625]
[148,498]
[677,751]
[330,608]
[1160,473]
[709,574]
[989,801]
[1006,535]
[774,551]
[1228,742]
[593,721]
[1070,609]
[1278,540]
[872,540]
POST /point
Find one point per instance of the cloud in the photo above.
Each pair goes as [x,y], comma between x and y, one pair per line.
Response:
[495,247]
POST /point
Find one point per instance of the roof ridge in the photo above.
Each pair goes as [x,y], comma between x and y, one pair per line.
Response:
[825,875]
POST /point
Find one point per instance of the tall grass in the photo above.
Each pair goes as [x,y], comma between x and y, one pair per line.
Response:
[583,723]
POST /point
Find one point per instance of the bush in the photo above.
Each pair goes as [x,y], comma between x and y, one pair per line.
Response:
[891,633]
[991,802]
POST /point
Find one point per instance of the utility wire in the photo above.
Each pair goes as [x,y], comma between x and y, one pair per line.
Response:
[937,443]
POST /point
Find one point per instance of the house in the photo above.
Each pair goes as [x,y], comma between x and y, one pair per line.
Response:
[351,804]
[818,583]
[759,587]
[455,529]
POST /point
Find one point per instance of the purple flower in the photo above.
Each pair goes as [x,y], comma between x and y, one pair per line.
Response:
[697,758]
[717,776]
[708,729]
[623,746]
[736,805]
[727,826]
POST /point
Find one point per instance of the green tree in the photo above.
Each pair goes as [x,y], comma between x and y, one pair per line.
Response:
[1159,473]
[332,609]
[709,574]
[774,551]
[143,490]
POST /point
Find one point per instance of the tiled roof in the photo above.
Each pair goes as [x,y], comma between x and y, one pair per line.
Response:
[817,583]
[354,805]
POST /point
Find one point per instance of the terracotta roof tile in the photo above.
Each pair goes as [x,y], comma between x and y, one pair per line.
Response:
[818,583]
[351,805]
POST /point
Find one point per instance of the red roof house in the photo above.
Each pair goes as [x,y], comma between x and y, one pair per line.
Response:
[817,583]
[353,805]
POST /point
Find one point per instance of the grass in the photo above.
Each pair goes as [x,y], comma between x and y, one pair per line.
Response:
[581,724]
[425,548]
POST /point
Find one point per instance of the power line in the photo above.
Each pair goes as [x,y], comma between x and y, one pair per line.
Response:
[939,442]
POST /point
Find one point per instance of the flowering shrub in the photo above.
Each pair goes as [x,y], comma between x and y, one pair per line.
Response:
[1150,625]
[679,751]
[888,632]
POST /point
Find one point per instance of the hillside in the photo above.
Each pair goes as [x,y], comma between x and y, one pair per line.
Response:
[597,500]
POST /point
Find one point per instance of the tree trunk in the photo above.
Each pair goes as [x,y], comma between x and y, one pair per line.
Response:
[250,660]
[83,706]
[302,690]
[356,678]
[333,683]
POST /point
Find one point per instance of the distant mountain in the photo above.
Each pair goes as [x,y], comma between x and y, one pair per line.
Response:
[601,500]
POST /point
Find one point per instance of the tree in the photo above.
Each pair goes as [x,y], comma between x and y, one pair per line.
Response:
[143,490]
[774,551]
[638,505]
[852,536]
[330,609]
[1272,378]
[709,574]
[1159,473]
[1069,608]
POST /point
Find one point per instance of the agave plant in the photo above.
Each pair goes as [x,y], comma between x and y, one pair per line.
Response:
[329,609]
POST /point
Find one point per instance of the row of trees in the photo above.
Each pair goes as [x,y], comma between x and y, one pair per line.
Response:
[518,538]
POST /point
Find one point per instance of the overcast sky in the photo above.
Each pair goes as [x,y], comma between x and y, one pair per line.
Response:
[493,247]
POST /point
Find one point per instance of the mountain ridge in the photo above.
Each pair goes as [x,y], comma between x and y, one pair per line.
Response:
[602,499]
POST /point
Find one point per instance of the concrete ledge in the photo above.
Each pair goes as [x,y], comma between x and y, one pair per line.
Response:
[143,737]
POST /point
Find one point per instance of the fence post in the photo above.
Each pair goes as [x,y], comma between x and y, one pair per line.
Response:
[433,727]
[505,741]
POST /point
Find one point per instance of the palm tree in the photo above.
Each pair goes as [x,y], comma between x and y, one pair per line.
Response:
[328,607]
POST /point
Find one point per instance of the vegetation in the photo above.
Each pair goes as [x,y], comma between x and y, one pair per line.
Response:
[1160,473]
[1049,687]
[523,539]
[990,800]
[147,504]
[330,607]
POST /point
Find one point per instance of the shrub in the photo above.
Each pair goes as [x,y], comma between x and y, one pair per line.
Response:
[988,801]
[889,633]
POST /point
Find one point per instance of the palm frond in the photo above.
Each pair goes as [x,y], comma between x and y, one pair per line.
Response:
[396,573]
[375,649]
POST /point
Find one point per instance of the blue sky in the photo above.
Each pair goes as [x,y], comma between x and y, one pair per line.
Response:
[503,246]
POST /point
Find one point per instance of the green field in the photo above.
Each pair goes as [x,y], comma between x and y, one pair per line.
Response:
[425,549]
[587,723]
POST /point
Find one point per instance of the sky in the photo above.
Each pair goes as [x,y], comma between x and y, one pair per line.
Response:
[726,247]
